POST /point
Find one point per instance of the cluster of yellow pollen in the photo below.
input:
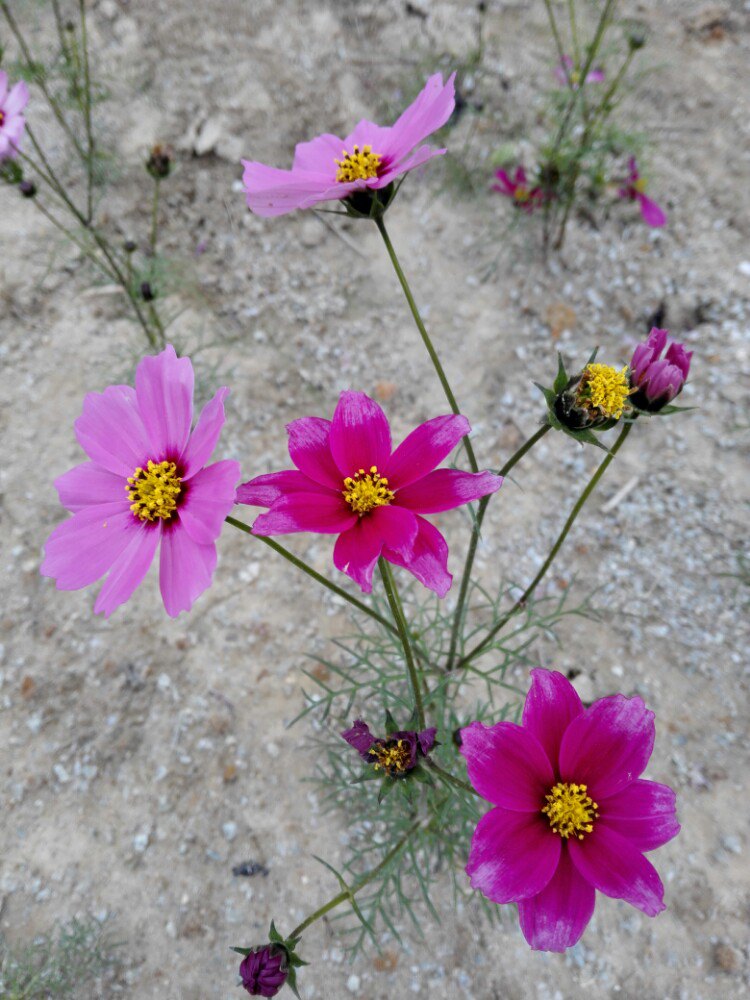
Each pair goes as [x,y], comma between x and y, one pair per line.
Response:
[393,758]
[570,810]
[605,389]
[359,165]
[521,193]
[2,118]
[153,491]
[640,184]
[366,490]
[575,77]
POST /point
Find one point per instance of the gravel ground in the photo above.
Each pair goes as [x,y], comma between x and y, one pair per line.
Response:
[141,758]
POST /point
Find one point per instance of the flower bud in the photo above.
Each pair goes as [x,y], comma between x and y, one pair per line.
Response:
[264,970]
[27,189]
[130,246]
[147,292]
[656,380]
[159,162]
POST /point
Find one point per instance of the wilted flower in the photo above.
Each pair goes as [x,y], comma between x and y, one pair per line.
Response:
[656,380]
[396,754]
[159,162]
[524,196]
[264,971]
[27,189]
[348,482]
[147,483]
[571,814]
[12,121]
[634,189]
[367,160]
[566,71]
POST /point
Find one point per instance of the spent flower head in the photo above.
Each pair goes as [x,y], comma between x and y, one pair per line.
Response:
[395,754]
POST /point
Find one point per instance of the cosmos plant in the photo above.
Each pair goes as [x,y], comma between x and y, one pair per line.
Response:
[541,813]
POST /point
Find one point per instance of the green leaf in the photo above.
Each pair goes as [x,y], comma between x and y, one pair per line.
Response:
[671,408]
[419,774]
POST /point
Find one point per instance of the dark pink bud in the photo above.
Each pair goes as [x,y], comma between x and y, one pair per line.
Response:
[656,379]
[264,971]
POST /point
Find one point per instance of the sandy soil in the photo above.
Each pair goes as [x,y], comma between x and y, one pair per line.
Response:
[141,758]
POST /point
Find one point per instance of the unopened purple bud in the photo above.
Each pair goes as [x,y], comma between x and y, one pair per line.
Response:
[264,971]
[147,292]
[27,189]
[656,379]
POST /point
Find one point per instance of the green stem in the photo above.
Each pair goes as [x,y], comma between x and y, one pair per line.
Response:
[450,778]
[474,541]
[590,487]
[392,594]
[425,337]
[360,883]
[87,114]
[558,41]
[155,216]
[86,251]
[574,32]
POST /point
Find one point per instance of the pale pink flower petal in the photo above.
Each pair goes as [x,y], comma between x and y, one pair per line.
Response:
[319,155]
[644,813]
[429,112]
[429,559]
[618,869]
[445,489]
[324,513]
[17,99]
[512,855]
[507,765]
[209,498]
[272,192]
[185,570]
[205,436]
[129,569]
[164,389]
[310,450]
[360,435]
[551,705]
[88,484]
[81,550]
[111,432]
[3,85]
[555,918]
[424,449]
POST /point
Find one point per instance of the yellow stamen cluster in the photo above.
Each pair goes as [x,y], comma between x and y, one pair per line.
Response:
[359,165]
[575,77]
[570,810]
[2,118]
[521,194]
[153,491]
[366,490]
[605,389]
[640,185]
[393,758]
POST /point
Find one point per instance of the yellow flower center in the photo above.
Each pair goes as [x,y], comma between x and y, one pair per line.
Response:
[521,193]
[153,491]
[640,185]
[393,758]
[570,810]
[575,77]
[2,118]
[366,490]
[359,165]
[605,389]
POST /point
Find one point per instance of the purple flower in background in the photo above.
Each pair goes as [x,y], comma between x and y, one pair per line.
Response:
[397,754]
[12,122]
[571,812]
[264,971]
[369,158]
[524,196]
[658,380]
[634,190]
[568,74]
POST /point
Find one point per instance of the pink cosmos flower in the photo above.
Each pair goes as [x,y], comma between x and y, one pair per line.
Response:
[634,189]
[348,482]
[12,122]
[370,157]
[566,71]
[571,813]
[147,483]
[524,196]
[656,380]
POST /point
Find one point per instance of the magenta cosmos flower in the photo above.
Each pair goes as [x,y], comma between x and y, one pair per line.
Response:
[12,121]
[634,190]
[566,70]
[524,196]
[656,380]
[147,482]
[348,482]
[369,158]
[571,813]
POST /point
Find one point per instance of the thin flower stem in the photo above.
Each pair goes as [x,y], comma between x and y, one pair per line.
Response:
[392,594]
[590,487]
[474,541]
[359,883]
[86,251]
[155,216]
[574,32]
[450,778]
[425,337]
[558,41]
[301,564]
[87,114]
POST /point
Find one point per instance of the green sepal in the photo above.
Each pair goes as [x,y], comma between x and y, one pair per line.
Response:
[371,775]
[242,951]
[423,777]
[411,725]
[561,379]
[585,436]
[550,395]
[386,788]
[291,980]
[274,936]
[390,724]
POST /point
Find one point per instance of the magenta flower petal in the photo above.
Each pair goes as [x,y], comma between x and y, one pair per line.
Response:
[185,570]
[360,435]
[424,449]
[652,214]
[429,112]
[324,513]
[609,746]
[87,485]
[506,185]
[643,813]
[595,76]
[81,550]
[512,856]
[445,489]
[677,355]
[357,551]
[360,737]
[164,388]
[129,569]
[551,704]
[507,766]
[618,869]
[205,436]
[111,432]
[264,491]
[208,500]
[555,918]
[429,559]
[310,450]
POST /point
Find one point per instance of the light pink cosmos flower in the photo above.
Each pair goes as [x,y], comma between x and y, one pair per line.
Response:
[634,190]
[348,482]
[524,196]
[566,71]
[147,483]
[370,157]
[571,813]
[12,122]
